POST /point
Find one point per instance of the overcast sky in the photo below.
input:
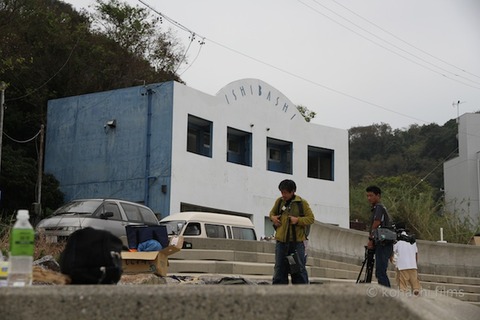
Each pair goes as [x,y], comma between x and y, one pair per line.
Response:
[355,63]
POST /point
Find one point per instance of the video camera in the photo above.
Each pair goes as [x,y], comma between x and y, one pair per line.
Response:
[402,235]
[392,234]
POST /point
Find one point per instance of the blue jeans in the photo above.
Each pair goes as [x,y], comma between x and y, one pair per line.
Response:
[382,254]
[281,269]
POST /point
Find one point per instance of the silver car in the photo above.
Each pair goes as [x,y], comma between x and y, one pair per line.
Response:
[106,214]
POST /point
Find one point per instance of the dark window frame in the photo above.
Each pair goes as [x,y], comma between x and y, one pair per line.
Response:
[279,155]
[199,136]
[242,141]
[321,163]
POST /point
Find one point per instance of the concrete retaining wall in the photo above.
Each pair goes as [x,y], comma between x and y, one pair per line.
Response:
[345,245]
[328,301]
[434,258]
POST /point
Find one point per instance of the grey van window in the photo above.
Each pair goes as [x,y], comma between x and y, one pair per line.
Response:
[215,231]
[112,207]
[244,233]
[192,229]
[132,212]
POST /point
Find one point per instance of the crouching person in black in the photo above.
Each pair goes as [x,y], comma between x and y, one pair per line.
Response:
[291,215]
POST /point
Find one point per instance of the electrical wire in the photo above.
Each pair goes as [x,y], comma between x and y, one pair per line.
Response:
[436,167]
[205,39]
[407,43]
[202,42]
[388,49]
[51,78]
[23,141]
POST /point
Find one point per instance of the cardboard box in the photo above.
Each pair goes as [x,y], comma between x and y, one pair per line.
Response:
[151,262]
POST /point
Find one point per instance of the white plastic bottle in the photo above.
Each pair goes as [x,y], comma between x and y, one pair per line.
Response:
[22,245]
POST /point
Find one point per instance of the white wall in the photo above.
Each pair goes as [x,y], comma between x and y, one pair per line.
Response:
[214,182]
[461,174]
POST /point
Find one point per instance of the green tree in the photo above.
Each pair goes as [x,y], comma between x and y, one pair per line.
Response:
[306,113]
[136,30]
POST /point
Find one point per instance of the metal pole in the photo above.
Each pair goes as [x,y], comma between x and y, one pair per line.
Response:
[458,108]
[40,173]
[3,86]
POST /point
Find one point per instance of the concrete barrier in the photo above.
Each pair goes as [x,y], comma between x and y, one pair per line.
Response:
[328,301]
[347,245]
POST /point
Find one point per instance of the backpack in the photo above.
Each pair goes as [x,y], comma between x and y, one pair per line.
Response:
[302,214]
[92,256]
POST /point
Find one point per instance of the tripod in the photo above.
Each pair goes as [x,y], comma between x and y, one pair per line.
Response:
[369,261]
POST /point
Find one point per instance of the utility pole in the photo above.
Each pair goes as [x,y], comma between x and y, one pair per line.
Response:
[38,205]
[3,86]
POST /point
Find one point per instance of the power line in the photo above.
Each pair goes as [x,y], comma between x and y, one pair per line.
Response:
[281,70]
[316,83]
[51,78]
[391,44]
[407,43]
[182,27]
[23,141]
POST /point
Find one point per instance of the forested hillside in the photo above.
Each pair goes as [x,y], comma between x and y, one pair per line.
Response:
[48,50]
[420,151]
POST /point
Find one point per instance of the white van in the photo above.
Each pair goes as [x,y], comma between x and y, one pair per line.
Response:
[210,225]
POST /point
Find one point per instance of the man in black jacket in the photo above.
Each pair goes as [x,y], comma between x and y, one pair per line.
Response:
[383,250]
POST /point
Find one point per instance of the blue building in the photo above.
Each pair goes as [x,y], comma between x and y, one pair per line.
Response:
[175,149]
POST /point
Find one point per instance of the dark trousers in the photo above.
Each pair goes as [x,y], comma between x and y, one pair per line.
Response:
[281,269]
[382,255]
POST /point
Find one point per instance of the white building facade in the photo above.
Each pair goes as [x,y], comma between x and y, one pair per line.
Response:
[176,149]
[462,174]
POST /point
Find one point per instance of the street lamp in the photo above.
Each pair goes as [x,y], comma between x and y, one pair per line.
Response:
[3,86]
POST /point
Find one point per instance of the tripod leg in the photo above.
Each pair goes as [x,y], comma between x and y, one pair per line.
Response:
[360,273]
[370,263]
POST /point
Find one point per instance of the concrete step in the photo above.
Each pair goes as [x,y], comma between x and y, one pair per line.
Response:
[452,287]
[223,255]
[470,293]
[227,261]
[317,267]
[449,279]
[250,268]
[256,259]
[220,267]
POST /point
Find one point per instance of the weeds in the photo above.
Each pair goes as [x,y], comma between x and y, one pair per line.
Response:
[42,247]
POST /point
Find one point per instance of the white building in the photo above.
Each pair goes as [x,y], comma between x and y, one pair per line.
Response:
[462,174]
[175,149]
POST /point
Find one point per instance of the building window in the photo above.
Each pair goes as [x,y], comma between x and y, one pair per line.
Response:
[199,138]
[279,155]
[320,163]
[239,147]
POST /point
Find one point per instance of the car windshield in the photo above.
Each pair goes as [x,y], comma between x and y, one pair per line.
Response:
[173,227]
[79,207]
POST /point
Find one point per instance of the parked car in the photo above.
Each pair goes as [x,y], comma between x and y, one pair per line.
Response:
[106,214]
[210,225]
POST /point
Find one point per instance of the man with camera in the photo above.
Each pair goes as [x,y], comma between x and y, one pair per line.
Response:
[291,215]
[383,249]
